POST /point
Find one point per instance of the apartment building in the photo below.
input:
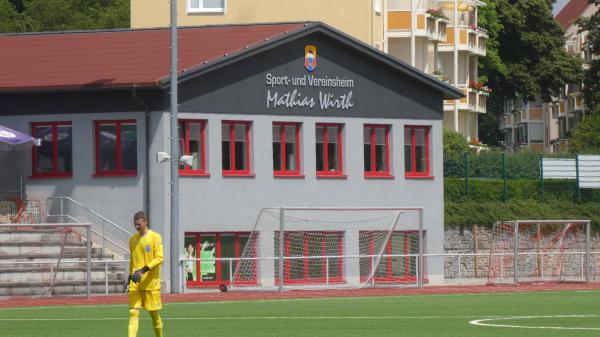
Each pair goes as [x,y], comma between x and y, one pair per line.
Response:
[543,126]
[439,37]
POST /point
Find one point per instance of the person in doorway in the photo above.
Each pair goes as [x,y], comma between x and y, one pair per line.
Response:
[190,266]
[144,275]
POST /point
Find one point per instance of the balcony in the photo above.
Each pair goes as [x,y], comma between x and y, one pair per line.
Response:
[474,100]
[470,39]
[400,23]
[441,29]
[482,38]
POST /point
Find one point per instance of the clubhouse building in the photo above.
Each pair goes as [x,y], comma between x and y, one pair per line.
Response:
[272,115]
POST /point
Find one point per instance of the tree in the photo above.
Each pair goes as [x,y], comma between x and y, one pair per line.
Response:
[454,144]
[525,58]
[61,15]
[585,138]
[591,90]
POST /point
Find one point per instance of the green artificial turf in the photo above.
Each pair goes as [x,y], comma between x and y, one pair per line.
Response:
[415,316]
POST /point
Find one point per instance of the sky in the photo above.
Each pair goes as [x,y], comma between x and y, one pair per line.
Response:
[558,6]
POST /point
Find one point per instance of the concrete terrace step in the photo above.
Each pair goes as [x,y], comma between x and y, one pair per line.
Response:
[44,257]
[8,289]
[17,250]
[37,236]
[63,275]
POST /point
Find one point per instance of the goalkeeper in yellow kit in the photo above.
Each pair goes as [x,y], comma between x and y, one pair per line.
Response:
[144,270]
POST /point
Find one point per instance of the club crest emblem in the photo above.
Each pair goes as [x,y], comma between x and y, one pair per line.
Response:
[310,57]
[147,248]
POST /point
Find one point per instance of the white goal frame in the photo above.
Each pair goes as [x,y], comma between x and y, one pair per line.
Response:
[510,252]
[283,220]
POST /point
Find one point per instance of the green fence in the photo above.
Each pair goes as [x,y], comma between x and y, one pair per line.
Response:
[496,176]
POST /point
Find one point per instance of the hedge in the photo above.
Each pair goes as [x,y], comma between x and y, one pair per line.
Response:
[469,213]
[516,189]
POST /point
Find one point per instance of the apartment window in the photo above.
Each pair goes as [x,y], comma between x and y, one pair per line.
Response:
[329,149]
[416,151]
[536,133]
[192,143]
[236,147]
[286,149]
[376,150]
[54,157]
[116,148]
[206,6]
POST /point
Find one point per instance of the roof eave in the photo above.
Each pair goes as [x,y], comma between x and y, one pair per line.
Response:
[448,91]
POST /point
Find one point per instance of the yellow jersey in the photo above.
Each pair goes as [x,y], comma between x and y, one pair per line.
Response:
[146,250]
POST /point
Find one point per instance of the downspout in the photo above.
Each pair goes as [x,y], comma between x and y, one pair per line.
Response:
[146,107]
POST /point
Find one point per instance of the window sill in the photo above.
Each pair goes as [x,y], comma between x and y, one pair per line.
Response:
[206,11]
[239,174]
[193,174]
[51,176]
[419,177]
[114,174]
[288,175]
[378,176]
[331,176]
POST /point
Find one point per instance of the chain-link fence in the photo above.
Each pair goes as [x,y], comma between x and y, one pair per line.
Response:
[496,176]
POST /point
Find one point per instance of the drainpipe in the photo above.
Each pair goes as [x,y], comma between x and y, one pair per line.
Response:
[146,107]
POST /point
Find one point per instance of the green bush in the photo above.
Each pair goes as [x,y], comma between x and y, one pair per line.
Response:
[469,213]
[516,189]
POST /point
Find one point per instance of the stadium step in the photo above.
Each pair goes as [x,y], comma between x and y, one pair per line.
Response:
[38,261]
[59,287]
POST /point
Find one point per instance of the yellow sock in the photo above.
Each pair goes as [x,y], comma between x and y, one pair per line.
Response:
[134,322]
[157,323]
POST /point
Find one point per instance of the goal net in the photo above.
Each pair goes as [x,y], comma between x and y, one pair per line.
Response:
[330,247]
[539,251]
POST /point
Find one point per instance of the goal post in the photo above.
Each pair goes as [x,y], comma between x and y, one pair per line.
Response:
[319,248]
[539,251]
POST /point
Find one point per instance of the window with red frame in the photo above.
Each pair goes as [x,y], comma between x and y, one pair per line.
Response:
[286,148]
[54,158]
[210,253]
[235,147]
[116,148]
[377,150]
[329,149]
[192,143]
[416,151]
[398,262]
[304,253]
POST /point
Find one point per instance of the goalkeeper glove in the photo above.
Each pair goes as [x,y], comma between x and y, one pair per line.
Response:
[137,275]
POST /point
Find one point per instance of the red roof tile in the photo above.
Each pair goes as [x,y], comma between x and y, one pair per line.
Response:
[571,12]
[118,58]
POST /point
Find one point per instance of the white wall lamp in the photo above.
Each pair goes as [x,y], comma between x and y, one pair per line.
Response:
[163,157]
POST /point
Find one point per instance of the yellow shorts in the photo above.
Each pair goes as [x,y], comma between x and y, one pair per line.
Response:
[147,299]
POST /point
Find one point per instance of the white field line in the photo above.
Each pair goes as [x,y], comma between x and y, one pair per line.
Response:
[240,318]
[483,322]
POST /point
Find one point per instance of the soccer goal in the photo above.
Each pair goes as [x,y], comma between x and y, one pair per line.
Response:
[319,248]
[539,251]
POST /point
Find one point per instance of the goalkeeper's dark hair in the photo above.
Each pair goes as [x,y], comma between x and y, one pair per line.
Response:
[140,215]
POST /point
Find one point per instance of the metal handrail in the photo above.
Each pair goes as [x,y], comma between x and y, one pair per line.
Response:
[105,239]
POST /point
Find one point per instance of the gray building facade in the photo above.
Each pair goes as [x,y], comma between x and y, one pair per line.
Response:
[232,115]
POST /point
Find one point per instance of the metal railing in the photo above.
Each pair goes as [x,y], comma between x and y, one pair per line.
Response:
[65,211]
[57,262]
[459,269]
